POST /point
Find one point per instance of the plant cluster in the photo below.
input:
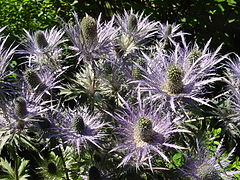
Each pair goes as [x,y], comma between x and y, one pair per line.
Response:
[128,98]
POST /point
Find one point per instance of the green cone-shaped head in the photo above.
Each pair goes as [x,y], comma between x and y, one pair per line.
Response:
[34,81]
[89,30]
[145,129]
[174,79]
[207,172]
[78,125]
[136,71]
[194,55]
[132,23]
[41,40]
[20,107]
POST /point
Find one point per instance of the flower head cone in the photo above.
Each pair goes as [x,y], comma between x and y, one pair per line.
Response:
[145,133]
[91,40]
[168,34]
[41,40]
[204,166]
[80,128]
[173,77]
[41,82]
[21,112]
[43,48]
[89,30]
[135,30]
[136,24]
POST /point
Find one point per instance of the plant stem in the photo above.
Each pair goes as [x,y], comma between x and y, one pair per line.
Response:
[64,164]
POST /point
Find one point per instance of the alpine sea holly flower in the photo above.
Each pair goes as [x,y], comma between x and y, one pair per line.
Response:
[89,30]
[91,39]
[175,78]
[80,128]
[168,34]
[204,166]
[6,54]
[233,73]
[21,112]
[41,82]
[42,48]
[134,32]
[232,79]
[144,132]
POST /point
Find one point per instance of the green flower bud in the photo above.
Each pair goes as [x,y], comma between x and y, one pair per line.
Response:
[89,30]
[207,172]
[174,79]
[168,30]
[132,23]
[136,71]
[194,55]
[41,40]
[166,42]
[145,129]
[21,107]
[34,81]
[78,125]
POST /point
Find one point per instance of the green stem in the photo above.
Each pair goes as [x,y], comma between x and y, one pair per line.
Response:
[15,161]
[64,164]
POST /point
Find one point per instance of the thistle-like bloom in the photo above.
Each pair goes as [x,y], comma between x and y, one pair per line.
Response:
[233,73]
[134,32]
[168,34]
[144,132]
[6,55]
[43,48]
[232,79]
[41,82]
[80,128]
[91,39]
[205,167]
[181,75]
[21,112]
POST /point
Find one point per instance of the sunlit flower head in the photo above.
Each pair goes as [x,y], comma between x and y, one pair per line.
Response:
[233,73]
[135,30]
[174,77]
[91,40]
[43,47]
[168,34]
[204,166]
[144,133]
[232,79]
[80,128]
[41,82]
[21,112]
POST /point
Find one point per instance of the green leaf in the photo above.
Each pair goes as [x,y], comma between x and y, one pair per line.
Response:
[4,140]
[6,167]
[178,159]
[22,167]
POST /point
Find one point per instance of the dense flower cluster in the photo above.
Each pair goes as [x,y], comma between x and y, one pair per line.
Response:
[102,98]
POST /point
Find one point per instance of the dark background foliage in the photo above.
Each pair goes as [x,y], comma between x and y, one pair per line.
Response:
[216,19]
